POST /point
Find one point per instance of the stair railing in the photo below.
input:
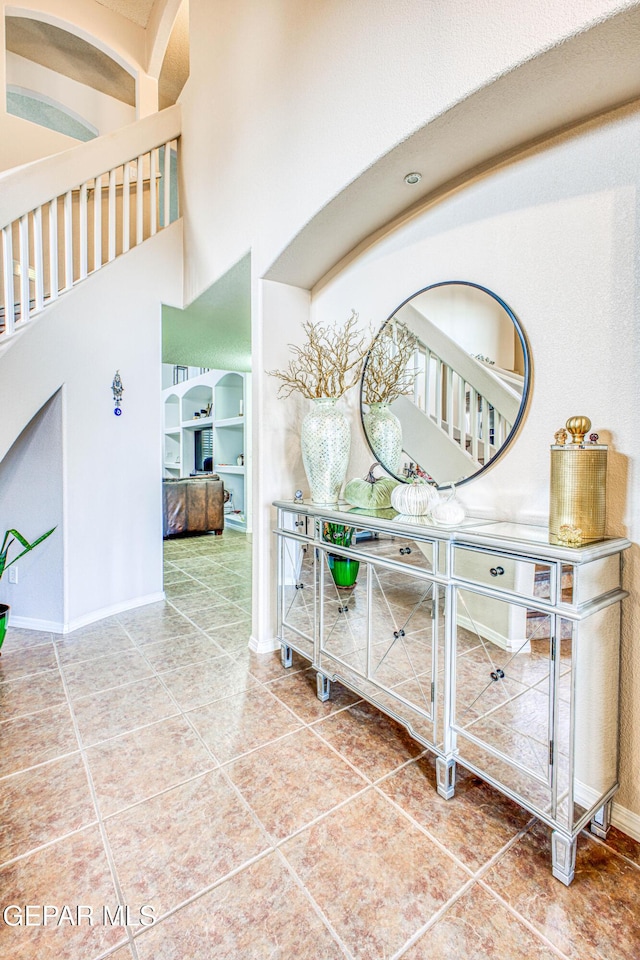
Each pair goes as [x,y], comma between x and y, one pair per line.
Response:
[94,218]
[473,403]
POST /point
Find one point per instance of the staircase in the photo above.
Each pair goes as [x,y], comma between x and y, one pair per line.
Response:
[462,409]
[67,216]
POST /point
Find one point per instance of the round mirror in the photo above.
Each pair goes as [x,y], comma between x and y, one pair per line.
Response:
[445,384]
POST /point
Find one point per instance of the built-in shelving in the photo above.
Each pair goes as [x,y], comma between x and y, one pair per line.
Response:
[219,398]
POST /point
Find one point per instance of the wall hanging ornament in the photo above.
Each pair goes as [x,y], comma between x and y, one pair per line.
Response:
[578,486]
[118,390]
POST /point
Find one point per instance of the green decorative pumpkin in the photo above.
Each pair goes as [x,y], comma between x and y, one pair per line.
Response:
[372,493]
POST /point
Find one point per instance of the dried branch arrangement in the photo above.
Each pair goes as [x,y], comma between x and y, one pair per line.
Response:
[328,364]
[389,370]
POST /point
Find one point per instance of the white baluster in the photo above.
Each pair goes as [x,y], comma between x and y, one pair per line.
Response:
[473,422]
[448,386]
[97,223]
[153,193]
[139,202]
[7,270]
[438,397]
[427,381]
[24,268]
[126,207]
[167,185]
[53,250]
[112,216]
[38,257]
[84,231]
[68,240]
[462,409]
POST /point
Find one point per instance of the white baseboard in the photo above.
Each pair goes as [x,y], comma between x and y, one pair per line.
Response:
[264,646]
[623,819]
[487,632]
[626,821]
[31,623]
[52,626]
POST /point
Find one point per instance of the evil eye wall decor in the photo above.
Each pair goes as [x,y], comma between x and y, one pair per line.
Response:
[117,389]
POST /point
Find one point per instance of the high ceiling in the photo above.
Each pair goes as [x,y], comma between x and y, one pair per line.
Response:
[138,11]
[69,55]
[175,66]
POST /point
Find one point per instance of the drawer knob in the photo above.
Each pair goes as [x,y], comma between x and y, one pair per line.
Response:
[299,586]
[496,571]
[404,550]
[299,523]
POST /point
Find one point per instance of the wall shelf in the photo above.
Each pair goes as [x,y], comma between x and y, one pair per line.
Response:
[223,395]
[229,422]
[198,424]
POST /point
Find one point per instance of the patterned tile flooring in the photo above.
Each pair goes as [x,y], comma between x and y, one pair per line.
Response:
[150,760]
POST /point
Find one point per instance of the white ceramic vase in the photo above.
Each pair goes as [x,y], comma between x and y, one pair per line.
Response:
[326,442]
[384,433]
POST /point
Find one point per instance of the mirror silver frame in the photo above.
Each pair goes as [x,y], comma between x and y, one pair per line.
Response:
[524,402]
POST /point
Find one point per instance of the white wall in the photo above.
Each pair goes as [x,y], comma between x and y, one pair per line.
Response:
[112,465]
[289,102]
[555,234]
[31,502]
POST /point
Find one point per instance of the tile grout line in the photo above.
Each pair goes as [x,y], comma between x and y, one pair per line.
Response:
[94,797]
[431,837]
[522,919]
[314,904]
[603,843]
[217,768]
[434,918]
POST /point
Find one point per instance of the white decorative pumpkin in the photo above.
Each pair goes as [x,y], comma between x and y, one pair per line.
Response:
[414,499]
[448,511]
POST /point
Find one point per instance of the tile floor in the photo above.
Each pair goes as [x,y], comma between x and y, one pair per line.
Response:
[151,760]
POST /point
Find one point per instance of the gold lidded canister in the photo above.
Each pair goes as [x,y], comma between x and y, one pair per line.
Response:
[578,486]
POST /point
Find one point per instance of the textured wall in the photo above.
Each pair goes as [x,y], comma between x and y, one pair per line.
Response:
[555,234]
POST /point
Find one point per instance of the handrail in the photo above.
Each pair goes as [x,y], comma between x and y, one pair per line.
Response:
[92,203]
[467,401]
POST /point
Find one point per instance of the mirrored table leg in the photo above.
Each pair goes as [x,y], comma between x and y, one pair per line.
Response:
[446,777]
[323,687]
[563,857]
[286,655]
[601,820]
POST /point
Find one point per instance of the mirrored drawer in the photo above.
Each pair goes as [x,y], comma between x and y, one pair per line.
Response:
[296,523]
[418,554]
[527,578]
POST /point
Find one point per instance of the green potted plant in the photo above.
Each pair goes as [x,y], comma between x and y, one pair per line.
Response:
[344,570]
[10,538]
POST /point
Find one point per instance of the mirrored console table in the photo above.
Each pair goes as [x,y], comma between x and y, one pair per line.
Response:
[494,648]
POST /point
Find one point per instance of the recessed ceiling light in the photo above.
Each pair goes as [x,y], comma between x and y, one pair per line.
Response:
[413,178]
